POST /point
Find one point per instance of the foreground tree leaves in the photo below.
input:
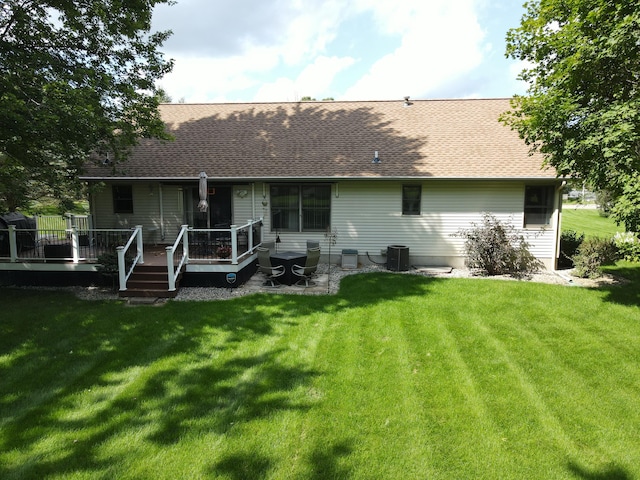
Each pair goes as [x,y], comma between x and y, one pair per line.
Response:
[582,110]
[76,77]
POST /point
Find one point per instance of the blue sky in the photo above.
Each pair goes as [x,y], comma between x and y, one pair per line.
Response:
[283,50]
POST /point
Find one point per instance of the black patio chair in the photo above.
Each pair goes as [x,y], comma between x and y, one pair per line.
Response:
[271,272]
[307,271]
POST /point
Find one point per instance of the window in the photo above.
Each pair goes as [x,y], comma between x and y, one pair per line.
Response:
[122,199]
[411,195]
[300,208]
[538,204]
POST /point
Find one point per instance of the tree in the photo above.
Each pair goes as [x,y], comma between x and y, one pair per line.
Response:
[76,77]
[163,96]
[582,108]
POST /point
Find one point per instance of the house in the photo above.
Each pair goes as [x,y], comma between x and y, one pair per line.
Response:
[375,173]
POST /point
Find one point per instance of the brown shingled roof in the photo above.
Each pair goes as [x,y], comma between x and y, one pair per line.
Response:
[319,140]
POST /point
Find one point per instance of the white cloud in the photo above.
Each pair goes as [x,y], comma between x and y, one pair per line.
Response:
[236,45]
[283,50]
[205,79]
[314,80]
[442,39]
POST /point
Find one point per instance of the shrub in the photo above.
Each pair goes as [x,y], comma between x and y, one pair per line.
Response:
[593,254]
[108,265]
[495,248]
[570,241]
[628,246]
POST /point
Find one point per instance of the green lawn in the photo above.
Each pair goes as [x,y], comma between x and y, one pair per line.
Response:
[589,222]
[397,377]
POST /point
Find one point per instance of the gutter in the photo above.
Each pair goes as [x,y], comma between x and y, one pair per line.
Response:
[325,179]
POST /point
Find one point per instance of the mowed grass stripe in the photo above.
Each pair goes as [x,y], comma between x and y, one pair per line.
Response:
[558,379]
[452,403]
[396,377]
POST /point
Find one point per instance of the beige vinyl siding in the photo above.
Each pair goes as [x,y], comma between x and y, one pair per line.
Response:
[146,210]
[368,217]
[242,210]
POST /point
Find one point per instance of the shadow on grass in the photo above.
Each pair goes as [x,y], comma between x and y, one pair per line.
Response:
[217,399]
[86,374]
[325,462]
[627,293]
[322,464]
[243,466]
[610,473]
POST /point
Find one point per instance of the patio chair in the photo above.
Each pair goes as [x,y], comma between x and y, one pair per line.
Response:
[271,246]
[271,272]
[313,244]
[308,270]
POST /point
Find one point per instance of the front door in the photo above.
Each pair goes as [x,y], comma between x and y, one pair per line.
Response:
[220,208]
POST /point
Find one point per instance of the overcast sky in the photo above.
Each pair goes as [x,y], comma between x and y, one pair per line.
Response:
[283,50]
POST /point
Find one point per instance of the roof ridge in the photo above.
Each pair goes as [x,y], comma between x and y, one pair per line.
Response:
[295,102]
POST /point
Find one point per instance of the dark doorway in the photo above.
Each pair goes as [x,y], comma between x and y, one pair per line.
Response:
[220,206]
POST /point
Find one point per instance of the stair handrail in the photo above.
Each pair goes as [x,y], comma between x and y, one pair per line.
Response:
[174,273]
[123,273]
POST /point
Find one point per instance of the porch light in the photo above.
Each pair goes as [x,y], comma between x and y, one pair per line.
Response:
[376,158]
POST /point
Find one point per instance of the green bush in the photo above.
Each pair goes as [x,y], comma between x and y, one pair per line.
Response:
[594,253]
[108,265]
[628,245]
[495,248]
[570,241]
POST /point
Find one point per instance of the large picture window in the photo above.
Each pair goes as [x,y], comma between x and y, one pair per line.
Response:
[300,208]
[122,199]
[411,196]
[538,204]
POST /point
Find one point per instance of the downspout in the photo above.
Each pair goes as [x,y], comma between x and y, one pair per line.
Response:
[253,201]
[161,200]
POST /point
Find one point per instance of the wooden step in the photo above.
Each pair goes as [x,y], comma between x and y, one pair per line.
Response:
[149,281]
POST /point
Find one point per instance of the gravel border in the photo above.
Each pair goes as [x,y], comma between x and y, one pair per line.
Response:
[337,273]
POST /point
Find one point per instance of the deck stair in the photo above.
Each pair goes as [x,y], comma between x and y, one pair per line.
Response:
[150,281]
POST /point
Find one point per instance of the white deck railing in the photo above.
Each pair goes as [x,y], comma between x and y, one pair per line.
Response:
[123,272]
[59,244]
[181,242]
[223,245]
[212,243]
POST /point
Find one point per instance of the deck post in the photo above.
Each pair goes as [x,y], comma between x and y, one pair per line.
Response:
[171,279]
[185,242]
[122,272]
[13,243]
[251,223]
[139,244]
[234,244]
[74,242]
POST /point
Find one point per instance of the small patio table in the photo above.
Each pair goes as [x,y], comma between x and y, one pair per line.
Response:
[288,260]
